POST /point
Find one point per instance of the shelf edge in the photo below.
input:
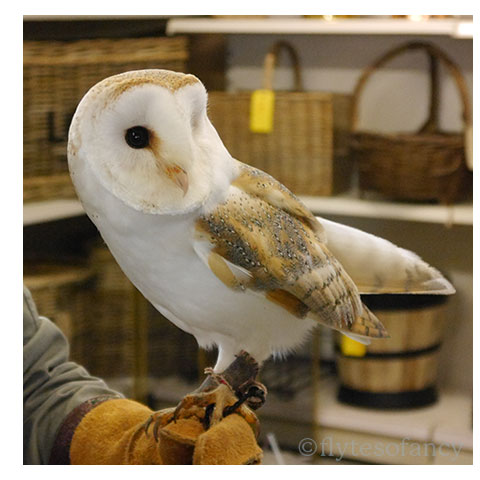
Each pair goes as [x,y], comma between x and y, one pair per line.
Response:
[462,29]
[42,212]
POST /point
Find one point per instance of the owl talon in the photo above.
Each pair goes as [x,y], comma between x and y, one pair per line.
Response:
[159,419]
[147,424]
[206,403]
[252,393]
[208,416]
[256,395]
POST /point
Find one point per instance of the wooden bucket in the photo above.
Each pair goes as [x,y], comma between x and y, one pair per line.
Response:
[401,371]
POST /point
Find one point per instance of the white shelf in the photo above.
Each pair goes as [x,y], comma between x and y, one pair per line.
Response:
[452,413]
[446,27]
[438,434]
[41,212]
[461,214]
[347,205]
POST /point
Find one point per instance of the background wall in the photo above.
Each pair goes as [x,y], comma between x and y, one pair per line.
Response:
[334,63]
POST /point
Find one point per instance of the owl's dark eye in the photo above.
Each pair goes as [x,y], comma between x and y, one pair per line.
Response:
[137,137]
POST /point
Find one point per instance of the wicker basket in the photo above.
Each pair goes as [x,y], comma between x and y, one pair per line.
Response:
[173,352]
[401,371]
[114,313]
[56,75]
[63,293]
[424,166]
[132,338]
[308,129]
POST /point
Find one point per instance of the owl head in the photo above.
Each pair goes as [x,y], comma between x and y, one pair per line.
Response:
[145,136]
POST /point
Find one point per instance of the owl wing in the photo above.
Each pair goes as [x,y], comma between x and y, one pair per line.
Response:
[262,239]
[375,264]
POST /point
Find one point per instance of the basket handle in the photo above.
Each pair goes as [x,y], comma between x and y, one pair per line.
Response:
[431,124]
[270,63]
[435,55]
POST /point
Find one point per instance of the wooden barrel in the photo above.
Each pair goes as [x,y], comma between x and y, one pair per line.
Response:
[401,371]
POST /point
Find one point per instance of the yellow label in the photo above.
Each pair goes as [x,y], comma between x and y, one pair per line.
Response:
[262,105]
[352,348]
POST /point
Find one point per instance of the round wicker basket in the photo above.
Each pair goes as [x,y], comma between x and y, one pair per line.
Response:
[423,166]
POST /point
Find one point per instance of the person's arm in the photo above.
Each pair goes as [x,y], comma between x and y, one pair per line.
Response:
[54,388]
[71,417]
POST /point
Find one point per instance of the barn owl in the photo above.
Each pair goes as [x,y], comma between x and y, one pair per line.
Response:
[221,249]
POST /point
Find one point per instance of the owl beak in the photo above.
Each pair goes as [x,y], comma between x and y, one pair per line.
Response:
[179,177]
[175,173]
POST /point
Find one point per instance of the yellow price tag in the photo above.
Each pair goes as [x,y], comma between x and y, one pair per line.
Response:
[262,105]
[352,348]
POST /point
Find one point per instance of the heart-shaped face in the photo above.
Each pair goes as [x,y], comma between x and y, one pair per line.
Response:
[146,136]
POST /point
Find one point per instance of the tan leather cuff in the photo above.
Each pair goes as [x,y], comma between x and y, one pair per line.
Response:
[60,453]
[113,433]
[230,442]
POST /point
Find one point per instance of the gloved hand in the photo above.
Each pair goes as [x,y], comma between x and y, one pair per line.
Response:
[114,433]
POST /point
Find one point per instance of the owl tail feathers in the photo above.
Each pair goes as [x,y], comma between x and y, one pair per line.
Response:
[378,266]
[365,327]
[408,275]
[428,280]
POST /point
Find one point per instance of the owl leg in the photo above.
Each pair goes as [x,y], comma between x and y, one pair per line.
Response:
[241,375]
[218,396]
[206,406]
[249,393]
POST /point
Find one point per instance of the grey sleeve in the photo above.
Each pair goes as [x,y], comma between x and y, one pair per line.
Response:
[53,386]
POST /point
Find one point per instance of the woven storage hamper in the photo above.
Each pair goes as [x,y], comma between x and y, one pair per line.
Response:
[400,371]
[424,166]
[173,352]
[63,293]
[132,338]
[307,148]
[119,315]
[56,75]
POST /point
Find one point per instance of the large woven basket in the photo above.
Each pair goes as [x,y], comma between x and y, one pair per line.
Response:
[114,316]
[173,352]
[306,148]
[63,293]
[131,338]
[56,75]
[423,166]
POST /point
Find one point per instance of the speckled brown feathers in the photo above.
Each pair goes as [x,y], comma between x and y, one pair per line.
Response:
[264,239]
[259,184]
